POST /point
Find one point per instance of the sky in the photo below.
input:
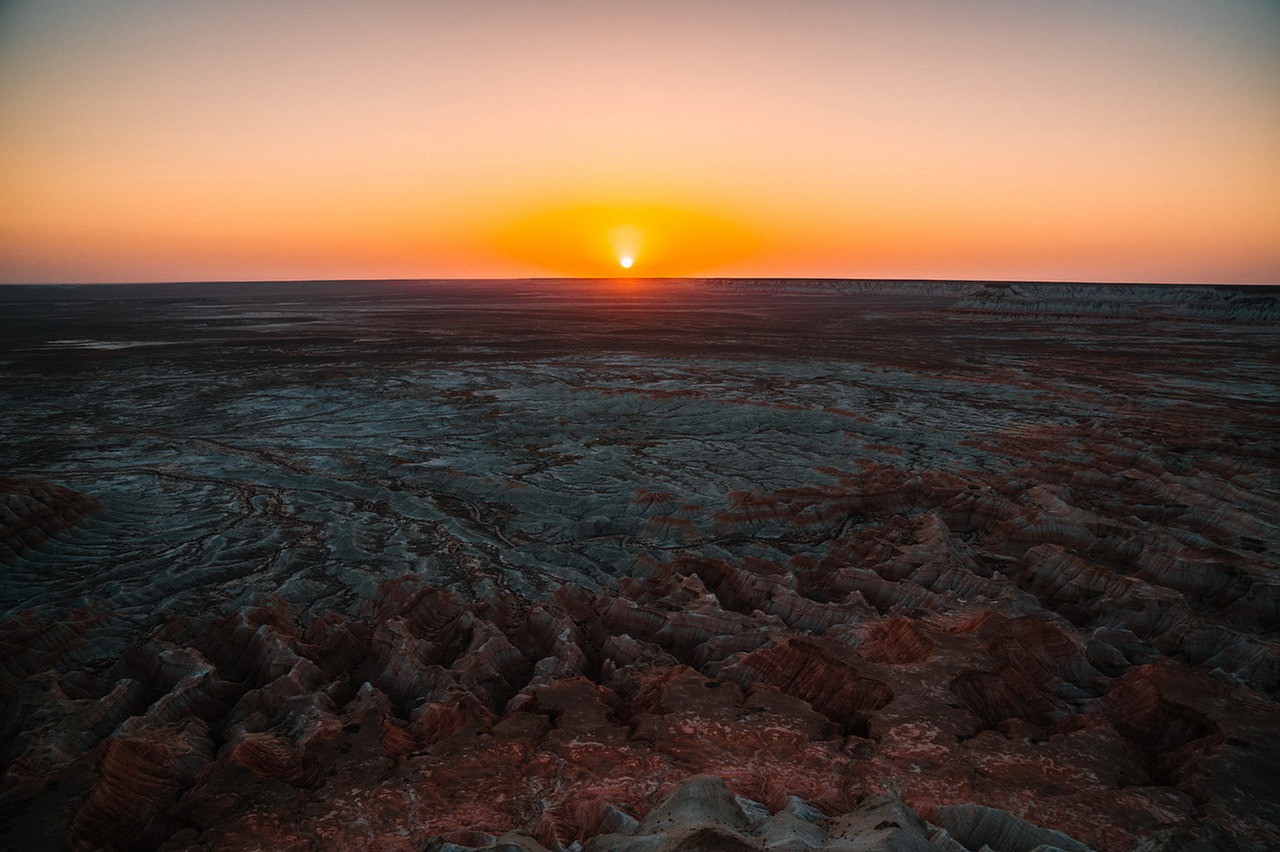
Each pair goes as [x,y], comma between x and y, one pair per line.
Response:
[1107,140]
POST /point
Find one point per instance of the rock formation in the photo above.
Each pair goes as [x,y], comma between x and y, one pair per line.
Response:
[1018,595]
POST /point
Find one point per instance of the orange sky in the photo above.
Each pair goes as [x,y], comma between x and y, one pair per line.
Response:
[149,140]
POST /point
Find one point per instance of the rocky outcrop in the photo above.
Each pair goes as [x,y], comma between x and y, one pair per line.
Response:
[429,715]
[701,814]
[978,827]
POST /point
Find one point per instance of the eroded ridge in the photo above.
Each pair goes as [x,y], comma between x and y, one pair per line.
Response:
[426,715]
[32,512]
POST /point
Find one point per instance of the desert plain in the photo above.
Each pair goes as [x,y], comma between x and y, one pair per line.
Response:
[640,565]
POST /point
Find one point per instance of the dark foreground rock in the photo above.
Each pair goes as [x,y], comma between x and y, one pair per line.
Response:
[701,814]
[427,716]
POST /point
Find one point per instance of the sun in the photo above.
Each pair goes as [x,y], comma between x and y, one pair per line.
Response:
[626,239]
[623,240]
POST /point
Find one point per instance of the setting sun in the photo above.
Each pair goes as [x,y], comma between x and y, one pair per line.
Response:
[593,240]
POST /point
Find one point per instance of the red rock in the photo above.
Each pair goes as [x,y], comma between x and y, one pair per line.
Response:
[141,776]
[894,641]
[822,673]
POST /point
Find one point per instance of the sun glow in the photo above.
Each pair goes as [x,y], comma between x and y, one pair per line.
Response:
[626,241]
[595,240]
[316,140]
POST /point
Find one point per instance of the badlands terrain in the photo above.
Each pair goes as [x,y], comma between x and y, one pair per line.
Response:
[640,565]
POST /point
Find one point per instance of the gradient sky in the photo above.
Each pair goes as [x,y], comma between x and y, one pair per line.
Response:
[147,140]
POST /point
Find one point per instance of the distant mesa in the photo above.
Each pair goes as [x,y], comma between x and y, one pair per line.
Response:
[1125,302]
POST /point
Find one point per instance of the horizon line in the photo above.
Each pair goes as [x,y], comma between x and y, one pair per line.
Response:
[637,278]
